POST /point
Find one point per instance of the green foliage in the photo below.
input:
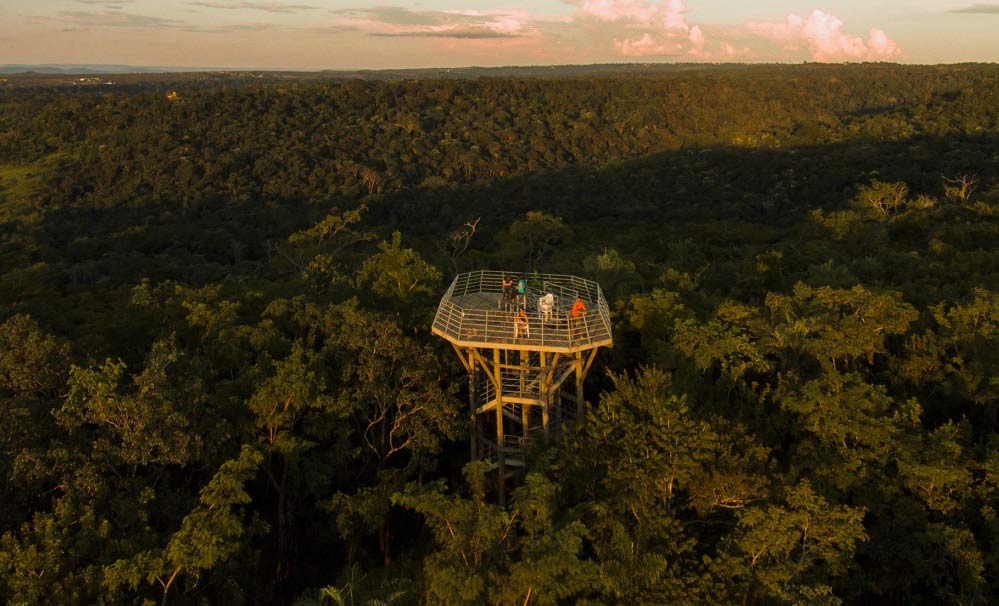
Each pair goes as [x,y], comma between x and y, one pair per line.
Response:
[614,273]
[659,476]
[485,553]
[530,241]
[212,532]
[790,551]
[31,361]
[883,199]
[138,428]
[474,537]
[51,558]
[398,273]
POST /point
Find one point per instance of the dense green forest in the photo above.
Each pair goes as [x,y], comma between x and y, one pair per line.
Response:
[218,385]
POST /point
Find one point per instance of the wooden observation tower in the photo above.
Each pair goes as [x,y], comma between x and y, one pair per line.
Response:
[526,356]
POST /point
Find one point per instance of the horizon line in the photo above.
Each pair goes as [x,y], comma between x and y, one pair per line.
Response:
[121,68]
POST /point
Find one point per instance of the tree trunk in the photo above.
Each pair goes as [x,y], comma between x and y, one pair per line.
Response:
[282,523]
[385,543]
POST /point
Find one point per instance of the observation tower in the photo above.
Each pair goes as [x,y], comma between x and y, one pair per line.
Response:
[527,351]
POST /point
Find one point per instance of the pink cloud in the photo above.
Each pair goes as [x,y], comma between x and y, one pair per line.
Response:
[880,44]
[729,51]
[646,46]
[696,37]
[668,14]
[821,34]
[514,22]
[637,28]
[392,21]
[600,30]
[660,26]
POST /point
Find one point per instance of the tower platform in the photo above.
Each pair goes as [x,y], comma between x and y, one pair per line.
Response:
[473,313]
[526,357]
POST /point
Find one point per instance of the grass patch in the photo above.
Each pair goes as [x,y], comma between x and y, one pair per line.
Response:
[18,184]
[18,180]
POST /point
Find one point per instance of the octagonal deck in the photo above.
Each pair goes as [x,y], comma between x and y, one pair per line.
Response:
[472,314]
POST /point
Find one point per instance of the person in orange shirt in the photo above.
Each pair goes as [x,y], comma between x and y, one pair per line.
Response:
[577,315]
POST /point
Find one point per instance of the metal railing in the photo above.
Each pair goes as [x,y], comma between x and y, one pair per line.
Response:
[488,451]
[473,310]
[515,443]
[518,383]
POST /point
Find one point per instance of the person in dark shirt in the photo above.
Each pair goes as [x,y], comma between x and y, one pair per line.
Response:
[507,290]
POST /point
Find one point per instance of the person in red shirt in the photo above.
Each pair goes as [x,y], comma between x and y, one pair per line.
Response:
[577,315]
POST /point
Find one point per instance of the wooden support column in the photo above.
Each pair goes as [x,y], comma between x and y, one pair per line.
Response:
[473,403]
[525,409]
[578,362]
[501,479]
[543,389]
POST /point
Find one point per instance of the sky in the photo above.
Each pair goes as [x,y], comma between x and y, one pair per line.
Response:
[377,34]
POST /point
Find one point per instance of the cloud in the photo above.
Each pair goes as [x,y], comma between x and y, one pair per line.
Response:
[586,31]
[821,35]
[667,14]
[107,3]
[270,7]
[80,19]
[460,33]
[727,50]
[642,28]
[696,37]
[85,21]
[237,28]
[646,46]
[398,22]
[595,30]
[395,15]
[979,9]
[600,30]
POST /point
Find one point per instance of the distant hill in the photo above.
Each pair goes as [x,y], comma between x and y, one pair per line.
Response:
[386,74]
[531,71]
[22,68]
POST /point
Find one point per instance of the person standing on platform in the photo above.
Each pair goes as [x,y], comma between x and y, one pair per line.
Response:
[577,316]
[520,325]
[507,291]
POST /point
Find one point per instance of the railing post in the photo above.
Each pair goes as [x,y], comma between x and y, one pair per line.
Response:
[541,331]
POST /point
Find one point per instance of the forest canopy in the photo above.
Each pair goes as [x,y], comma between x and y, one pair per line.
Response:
[218,382]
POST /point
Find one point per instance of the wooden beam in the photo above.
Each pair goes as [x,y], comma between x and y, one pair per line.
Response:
[509,400]
[461,356]
[473,405]
[548,397]
[552,367]
[524,410]
[519,346]
[589,361]
[562,378]
[485,365]
[501,481]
